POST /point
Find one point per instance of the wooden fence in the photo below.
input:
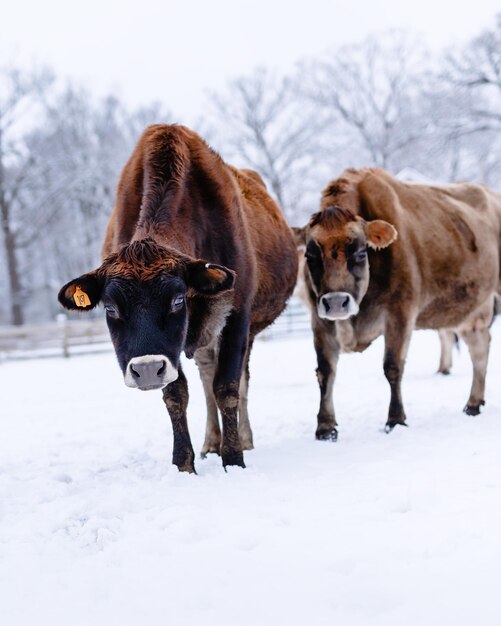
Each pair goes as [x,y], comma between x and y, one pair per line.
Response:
[61,338]
[70,337]
[295,320]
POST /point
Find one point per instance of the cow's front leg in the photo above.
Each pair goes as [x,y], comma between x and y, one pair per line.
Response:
[176,401]
[397,336]
[327,349]
[231,356]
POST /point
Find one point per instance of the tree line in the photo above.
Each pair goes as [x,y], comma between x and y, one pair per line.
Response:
[385,101]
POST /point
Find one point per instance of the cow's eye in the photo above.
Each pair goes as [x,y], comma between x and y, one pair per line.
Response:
[178,302]
[111,311]
[361,255]
[312,256]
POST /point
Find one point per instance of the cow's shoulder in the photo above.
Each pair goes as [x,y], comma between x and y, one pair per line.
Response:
[248,179]
[259,206]
[252,188]
[343,191]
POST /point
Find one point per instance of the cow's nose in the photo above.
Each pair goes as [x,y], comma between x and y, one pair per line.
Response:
[346,303]
[149,374]
[325,303]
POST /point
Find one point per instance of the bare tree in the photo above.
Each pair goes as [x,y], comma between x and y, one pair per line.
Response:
[262,124]
[464,109]
[21,94]
[457,146]
[368,95]
[60,156]
[78,153]
[477,69]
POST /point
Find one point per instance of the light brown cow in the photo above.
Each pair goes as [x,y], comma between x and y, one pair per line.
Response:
[384,257]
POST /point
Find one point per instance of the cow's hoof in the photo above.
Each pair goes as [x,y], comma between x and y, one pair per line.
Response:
[233,457]
[189,468]
[185,461]
[212,445]
[391,425]
[209,450]
[473,409]
[246,443]
[326,434]
[444,372]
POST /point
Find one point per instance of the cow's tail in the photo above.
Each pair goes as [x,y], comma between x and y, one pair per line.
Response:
[496,308]
[497,304]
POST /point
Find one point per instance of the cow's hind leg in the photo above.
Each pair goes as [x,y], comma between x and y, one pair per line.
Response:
[447,340]
[478,345]
[206,361]
[244,427]
[176,400]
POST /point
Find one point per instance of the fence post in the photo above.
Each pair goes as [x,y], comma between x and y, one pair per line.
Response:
[62,320]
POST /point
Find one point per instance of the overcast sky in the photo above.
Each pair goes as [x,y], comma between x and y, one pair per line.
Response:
[172,50]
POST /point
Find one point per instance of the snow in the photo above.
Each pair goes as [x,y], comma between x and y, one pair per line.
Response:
[97,527]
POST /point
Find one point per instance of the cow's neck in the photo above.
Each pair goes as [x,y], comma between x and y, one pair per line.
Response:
[357,333]
[345,334]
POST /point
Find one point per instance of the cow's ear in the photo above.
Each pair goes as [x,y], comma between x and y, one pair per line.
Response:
[83,293]
[209,278]
[380,234]
[299,235]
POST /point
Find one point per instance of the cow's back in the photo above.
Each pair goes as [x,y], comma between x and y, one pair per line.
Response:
[274,249]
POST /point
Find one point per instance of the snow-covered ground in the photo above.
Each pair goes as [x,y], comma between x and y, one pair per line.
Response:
[98,528]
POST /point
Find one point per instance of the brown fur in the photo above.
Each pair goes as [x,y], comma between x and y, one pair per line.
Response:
[141,260]
[442,271]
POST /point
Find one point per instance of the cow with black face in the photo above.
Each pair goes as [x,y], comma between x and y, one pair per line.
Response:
[384,257]
[146,290]
[197,259]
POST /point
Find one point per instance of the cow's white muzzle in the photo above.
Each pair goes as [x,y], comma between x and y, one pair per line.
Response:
[152,371]
[337,305]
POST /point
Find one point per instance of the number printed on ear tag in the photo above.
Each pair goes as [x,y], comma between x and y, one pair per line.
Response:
[81,298]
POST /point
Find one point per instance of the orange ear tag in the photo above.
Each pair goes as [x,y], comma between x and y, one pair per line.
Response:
[81,298]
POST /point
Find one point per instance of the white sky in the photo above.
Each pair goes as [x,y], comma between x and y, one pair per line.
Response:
[172,50]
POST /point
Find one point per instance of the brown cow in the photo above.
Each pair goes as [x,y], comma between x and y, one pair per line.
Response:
[198,258]
[441,271]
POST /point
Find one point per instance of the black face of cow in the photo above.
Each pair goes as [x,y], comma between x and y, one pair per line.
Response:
[147,322]
[145,296]
[336,256]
